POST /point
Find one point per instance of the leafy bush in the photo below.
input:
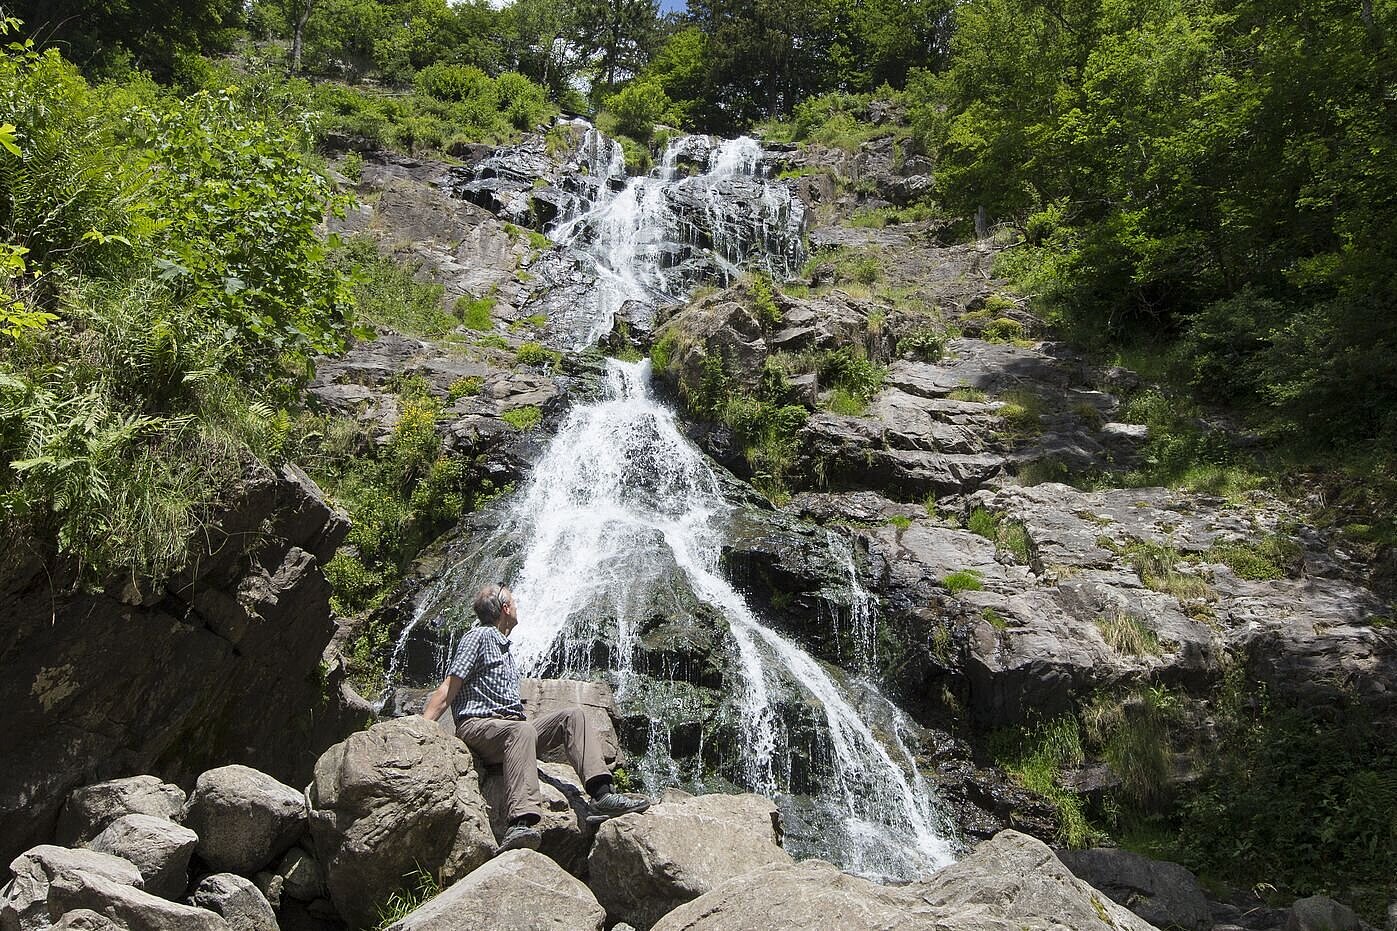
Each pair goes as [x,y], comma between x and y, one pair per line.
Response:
[925,344]
[637,108]
[474,312]
[538,355]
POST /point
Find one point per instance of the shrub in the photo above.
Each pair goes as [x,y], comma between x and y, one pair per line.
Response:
[925,344]
[455,83]
[531,353]
[764,304]
[465,387]
[1034,758]
[523,419]
[1004,330]
[637,108]
[474,312]
[1128,635]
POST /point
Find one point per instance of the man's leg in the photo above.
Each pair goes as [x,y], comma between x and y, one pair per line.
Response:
[569,728]
[513,743]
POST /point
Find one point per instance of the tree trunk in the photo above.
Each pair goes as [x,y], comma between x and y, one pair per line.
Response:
[298,35]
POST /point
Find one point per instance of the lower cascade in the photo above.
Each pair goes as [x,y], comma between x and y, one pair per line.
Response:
[621,505]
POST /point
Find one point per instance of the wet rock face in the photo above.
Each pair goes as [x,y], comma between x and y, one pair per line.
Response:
[173,681]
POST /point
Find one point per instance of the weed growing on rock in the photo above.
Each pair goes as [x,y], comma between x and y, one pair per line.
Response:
[1128,635]
[994,619]
[964,580]
[1158,566]
[523,419]
[404,902]
[1270,557]
[1034,758]
[386,292]
[537,355]
[474,312]
[1004,330]
[1009,536]
[764,305]
[968,395]
[1021,411]
[900,521]
[925,345]
[1134,735]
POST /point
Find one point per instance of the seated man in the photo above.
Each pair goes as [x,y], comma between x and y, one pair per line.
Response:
[482,690]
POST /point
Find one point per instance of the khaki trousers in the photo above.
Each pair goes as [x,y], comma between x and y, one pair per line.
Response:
[516,744]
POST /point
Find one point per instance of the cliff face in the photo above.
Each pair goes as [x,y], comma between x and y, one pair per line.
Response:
[217,666]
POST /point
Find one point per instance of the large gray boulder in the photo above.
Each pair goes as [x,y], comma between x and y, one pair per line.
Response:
[1164,894]
[643,866]
[566,835]
[237,900]
[244,818]
[1321,913]
[1009,883]
[90,809]
[517,891]
[301,876]
[796,897]
[50,882]
[85,919]
[158,847]
[399,797]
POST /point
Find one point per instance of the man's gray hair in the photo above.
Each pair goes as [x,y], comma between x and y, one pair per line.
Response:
[489,602]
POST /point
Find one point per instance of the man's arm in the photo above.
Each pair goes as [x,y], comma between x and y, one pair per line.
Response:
[442,698]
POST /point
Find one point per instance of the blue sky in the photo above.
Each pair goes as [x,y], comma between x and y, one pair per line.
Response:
[673,6]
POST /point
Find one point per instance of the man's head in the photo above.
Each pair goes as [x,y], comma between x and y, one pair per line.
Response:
[494,605]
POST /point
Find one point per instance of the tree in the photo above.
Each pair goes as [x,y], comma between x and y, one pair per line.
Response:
[101,35]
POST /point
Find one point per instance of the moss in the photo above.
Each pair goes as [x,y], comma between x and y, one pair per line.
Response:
[523,419]
[1004,330]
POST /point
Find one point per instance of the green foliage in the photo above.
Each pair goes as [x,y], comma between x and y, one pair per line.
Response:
[963,580]
[474,312]
[538,355]
[1004,330]
[523,419]
[925,344]
[764,304]
[1107,135]
[969,395]
[1159,568]
[423,885]
[1034,757]
[994,619]
[467,387]
[352,166]
[1021,411]
[637,108]
[387,293]
[1010,536]
[1134,734]
[854,378]
[1270,557]
[900,521]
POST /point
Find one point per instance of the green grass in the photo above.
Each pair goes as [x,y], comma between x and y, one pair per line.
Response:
[900,521]
[1021,411]
[1128,635]
[386,292]
[843,401]
[1034,758]
[968,395]
[1158,566]
[465,387]
[523,419]
[995,619]
[1009,536]
[475,312]
[1269,557]
[964,580]
[403,902]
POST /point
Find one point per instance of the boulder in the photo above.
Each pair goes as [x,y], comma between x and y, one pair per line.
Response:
[1162,893]
[158,847]
[301,876]
[643,866]
[1009,883]
[238,900]
[399,797]
[85,919]
[566,835]
[52,881]
[1321,913]
[90,809]
[517,891]
[541,696]
[244,818]
[796,897]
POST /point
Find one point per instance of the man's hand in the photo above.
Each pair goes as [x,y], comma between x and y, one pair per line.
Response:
[442,698]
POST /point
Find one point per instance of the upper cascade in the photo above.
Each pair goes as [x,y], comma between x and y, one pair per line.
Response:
[707,211]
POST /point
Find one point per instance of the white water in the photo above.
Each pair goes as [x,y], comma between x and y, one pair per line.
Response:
[620,500]
[631,237]
[618,485]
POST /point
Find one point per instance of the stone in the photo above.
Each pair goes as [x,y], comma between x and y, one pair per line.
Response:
[540,696]
[1164,894]
[520,890]
[237,900]
[175,680]
[89,810]
[158,847]
[399,797]
[796,897]
[270,885]
[1016,880]
[84,919]
[301,876]
[1321,913]
[52,881]
[244,818]
[643,866]
[566,836]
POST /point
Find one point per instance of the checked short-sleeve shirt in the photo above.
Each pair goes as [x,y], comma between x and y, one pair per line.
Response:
[490,677]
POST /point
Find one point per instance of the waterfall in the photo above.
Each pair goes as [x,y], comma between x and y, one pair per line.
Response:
[621,506]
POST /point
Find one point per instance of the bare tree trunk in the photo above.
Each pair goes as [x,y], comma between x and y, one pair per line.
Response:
[298,35]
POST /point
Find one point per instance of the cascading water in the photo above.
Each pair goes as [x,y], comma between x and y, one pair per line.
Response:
[616,541]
